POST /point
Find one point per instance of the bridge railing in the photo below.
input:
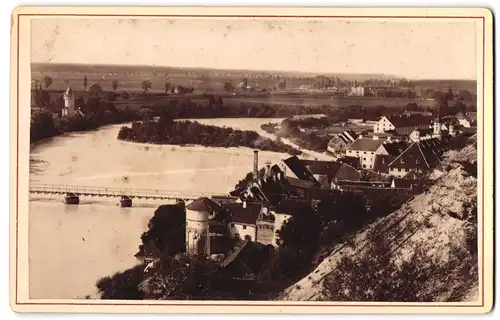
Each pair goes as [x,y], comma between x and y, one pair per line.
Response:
[113,191]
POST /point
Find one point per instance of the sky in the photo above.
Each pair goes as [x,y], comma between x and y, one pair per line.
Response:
[415,50]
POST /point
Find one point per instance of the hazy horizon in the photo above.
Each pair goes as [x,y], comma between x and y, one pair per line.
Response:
[433,50]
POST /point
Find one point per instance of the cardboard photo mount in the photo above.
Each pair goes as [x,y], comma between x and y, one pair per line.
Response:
[19,158]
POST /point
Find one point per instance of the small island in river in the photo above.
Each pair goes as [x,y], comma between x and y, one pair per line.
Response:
[167,131]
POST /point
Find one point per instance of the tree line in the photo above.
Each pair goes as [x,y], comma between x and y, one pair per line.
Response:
[167,131]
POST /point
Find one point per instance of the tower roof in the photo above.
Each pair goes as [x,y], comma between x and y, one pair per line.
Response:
[69,90]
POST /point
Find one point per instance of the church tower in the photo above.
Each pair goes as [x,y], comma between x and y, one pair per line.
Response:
[69,103]
[437,127]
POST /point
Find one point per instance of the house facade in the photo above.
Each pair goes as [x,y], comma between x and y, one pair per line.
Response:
[358,91]
[339,143]
[366,149]
[403,124]
[419,156]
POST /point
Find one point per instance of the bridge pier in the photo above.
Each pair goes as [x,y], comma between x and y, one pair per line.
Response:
[71,198]
[125,202]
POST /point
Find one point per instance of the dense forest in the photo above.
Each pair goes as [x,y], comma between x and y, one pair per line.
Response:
[167,131]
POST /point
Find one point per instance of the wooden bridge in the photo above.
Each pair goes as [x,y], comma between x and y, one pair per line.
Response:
[107,192]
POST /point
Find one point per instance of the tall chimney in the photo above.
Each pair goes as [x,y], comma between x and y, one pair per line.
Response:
[255,165]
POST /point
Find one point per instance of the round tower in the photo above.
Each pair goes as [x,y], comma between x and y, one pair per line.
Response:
[69,102]
[197,217]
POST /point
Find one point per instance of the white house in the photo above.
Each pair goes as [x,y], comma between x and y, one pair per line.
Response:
[383,125]
[358,91]
[403,124]
[366,149]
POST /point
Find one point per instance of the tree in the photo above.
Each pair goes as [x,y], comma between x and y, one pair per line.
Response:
[47,81]
[167,230]
[122,285]
[114,84]
[85,82]
[298,239]
[146,85]
[167,87]
[181,277]
[42,126]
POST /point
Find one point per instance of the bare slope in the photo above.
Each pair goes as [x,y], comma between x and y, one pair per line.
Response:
[438,226]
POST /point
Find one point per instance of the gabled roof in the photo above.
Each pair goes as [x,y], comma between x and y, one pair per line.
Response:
[352,161]
[411,157]
[329,170]
[239,214]
[299,169]
[395,148]
[345,137]
[322,167]
[364,144]
[429,150]
[203,204]
[382,162]
[298,183]
[409,120]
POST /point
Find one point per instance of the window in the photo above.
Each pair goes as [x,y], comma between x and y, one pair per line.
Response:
[248,237]
[244,227]
[364,158]
[364,166]
[237,236]
[232,225]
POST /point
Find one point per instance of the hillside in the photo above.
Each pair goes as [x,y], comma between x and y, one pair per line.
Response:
[425,251]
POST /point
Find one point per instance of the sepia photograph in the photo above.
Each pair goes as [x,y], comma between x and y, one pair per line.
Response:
[231,158]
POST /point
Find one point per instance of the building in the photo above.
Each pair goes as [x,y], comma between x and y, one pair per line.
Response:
[419,157]
[198,215]
[402,124]
[467,120]
[294,168]
[419,134]
[327,171]
[69,109]
[339,143]
[366,149]
[243,220]
[357,91]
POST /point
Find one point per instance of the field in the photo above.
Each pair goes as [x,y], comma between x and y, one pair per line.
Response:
[321,100]
[129,78]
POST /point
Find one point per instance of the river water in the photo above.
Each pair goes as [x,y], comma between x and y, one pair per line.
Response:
[71,247]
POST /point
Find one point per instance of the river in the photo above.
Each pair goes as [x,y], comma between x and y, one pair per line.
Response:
[71,247]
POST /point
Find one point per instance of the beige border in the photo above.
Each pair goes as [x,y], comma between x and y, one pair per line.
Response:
[20,75]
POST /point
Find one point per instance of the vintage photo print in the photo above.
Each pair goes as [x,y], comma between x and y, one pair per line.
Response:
[251,160]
